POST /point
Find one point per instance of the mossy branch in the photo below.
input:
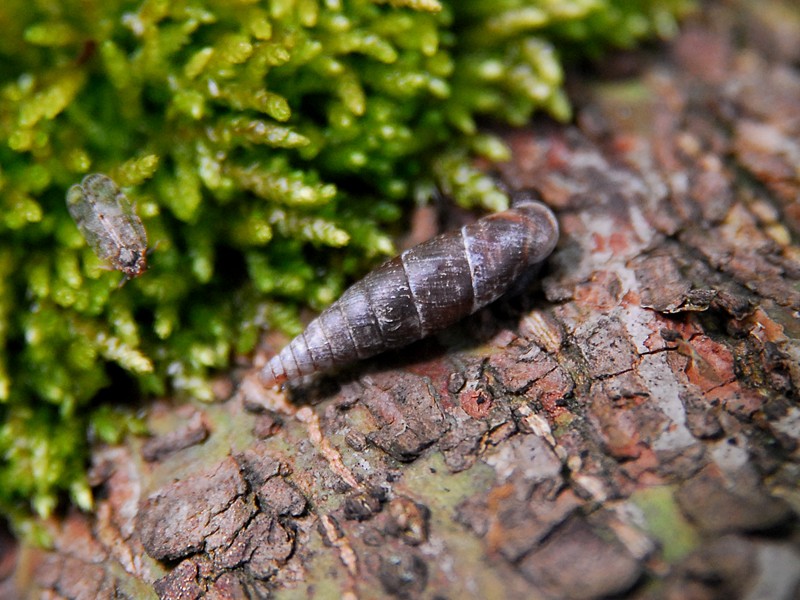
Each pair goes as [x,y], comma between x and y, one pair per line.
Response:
[250,136]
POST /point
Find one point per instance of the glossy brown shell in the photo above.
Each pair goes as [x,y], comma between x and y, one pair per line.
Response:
[425,289]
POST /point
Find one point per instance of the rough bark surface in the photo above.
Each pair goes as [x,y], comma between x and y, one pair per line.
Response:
[629,428]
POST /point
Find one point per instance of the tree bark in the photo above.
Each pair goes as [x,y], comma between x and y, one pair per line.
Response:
[629,427]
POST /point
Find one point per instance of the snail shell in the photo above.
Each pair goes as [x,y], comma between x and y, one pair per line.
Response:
[111,227]
[427,288]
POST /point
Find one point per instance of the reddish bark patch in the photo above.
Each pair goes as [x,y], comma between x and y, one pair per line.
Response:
[734,502]
[518,525]
[710,365]
[200,512]
[406,412]
[70,577]
[477,403]
[577,562]
[607,349]
[181,583]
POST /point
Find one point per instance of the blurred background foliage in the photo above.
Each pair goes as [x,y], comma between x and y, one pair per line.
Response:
[268,146]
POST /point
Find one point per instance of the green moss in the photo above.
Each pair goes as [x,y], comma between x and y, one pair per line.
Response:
[268,148]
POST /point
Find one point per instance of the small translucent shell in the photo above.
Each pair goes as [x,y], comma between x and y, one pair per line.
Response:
[106,218]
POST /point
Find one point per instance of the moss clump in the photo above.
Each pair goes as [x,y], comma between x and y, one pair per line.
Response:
[267,146]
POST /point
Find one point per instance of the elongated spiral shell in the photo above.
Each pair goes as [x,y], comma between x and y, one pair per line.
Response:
[427,288]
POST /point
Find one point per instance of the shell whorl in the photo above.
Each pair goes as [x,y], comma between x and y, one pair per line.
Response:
[426,288]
